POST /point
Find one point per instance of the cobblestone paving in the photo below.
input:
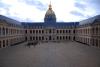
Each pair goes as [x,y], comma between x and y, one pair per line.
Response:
[69,54]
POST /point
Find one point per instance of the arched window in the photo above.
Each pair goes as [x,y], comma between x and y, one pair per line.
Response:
[0,44]
[25,38]
[63,31]
[33,38]
[60,31]
[69,37]
[63,37]
[36,38]
[57,38]
[74,31]
[42,38]
[30,31]
[30,38]
[36,31]
[26,31]
[66,31]
[39,31]
[50,31]
[39,38]
[66,37]
[3,43]
[69,31]
[42,31]
[33,31]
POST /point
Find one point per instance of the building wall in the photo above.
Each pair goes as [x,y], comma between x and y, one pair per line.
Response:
[88,34]
[10,34]
[49,34]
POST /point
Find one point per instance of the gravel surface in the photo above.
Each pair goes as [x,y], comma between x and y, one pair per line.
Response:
[67,54]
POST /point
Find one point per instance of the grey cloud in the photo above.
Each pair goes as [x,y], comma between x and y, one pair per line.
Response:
[95,5]
[84,5]
[36,3]
[76,13]
[80,6]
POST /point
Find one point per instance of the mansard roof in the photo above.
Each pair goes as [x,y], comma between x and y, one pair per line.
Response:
[31,24]
[56,25]
[90,20]
[9,20]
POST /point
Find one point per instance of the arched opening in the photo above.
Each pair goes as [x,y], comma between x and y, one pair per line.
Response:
[74,38]
[33,38]
[49,37]
[0,44]
[7,42]
[3,43]
[96,43]
[57,38]
[25,38]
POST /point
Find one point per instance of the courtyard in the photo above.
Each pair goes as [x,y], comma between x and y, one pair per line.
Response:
[51,54]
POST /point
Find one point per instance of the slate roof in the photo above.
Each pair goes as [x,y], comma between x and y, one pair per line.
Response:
[56,25]
[90,20]
[31,24]
[9,20]
[38,24]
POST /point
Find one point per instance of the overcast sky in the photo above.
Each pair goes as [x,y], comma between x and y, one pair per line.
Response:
[34,10]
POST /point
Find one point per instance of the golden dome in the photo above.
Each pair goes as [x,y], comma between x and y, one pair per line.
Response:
[50,15]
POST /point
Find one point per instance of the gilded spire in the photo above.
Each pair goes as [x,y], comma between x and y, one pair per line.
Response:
[50,6]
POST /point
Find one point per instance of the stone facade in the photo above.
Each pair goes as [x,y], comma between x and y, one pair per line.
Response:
[13,32]
[49,34]
[10,33]
[89,33]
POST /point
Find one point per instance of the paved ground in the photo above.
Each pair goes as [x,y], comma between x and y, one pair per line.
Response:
[69,54]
